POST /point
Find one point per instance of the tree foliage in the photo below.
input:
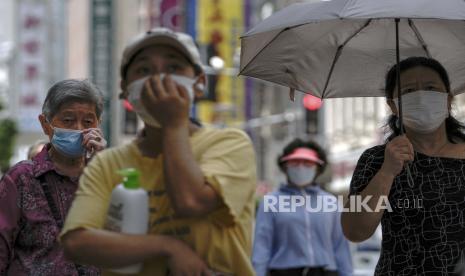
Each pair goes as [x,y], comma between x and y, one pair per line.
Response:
[8,132]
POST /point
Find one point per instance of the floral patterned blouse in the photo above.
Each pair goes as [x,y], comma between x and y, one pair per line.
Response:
[28,229]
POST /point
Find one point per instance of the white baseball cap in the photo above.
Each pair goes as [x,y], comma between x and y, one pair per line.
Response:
[162,36]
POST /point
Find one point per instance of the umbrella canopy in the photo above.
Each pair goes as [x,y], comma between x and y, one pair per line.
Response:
[343,48]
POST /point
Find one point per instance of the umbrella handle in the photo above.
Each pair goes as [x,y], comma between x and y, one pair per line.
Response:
[399,97]
[410,180]
[401,125]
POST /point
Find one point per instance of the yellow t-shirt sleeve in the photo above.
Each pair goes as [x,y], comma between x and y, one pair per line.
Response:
[229,167]
[91,201]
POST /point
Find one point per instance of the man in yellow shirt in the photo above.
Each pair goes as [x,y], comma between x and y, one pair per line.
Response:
[200,180]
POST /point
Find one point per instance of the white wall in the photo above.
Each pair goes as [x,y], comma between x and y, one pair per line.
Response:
[7,12]
[78,39]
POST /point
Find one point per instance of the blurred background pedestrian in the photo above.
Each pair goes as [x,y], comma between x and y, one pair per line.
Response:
[303,242]
[35,148]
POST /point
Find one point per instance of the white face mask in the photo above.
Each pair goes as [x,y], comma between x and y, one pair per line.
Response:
[424,111]
[135,91]
[301,175]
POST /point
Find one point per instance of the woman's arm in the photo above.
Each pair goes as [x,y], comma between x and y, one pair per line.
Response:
[10,214]
[359,226]
[341,249]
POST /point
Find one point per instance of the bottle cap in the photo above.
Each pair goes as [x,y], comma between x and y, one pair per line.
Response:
[131,178]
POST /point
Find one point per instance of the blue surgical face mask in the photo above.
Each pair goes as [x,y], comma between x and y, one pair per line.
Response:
[68,142]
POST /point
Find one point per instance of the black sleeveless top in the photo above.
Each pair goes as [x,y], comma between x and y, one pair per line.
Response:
[425,232]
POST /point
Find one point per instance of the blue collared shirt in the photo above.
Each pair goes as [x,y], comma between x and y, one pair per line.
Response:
[302,238]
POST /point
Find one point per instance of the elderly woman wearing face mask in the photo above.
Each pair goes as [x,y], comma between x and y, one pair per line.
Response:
[421,173]
[302,239]
[35,195]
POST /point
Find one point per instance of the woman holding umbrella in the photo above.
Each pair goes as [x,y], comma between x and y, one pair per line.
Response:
[300,242]
[420,172]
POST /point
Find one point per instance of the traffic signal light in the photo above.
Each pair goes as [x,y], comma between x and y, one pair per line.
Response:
[312,106]
[130,119]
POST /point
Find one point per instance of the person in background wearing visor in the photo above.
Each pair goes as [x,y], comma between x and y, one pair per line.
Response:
[300,242]
[35,195]
[201,181]
[36,148]
[424,232]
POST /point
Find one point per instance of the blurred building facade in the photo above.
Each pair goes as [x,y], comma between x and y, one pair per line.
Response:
[85,39]
[6,51]
[36,59]
[53,39]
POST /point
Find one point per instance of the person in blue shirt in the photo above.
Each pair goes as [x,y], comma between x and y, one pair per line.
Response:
[293,237]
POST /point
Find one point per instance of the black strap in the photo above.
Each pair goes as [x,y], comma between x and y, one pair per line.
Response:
[51,203]
[55,212]
[195,121]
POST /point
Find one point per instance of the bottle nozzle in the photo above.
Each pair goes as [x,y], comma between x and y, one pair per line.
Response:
[131,178]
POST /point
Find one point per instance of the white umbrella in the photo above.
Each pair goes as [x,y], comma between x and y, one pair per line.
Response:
[343,48]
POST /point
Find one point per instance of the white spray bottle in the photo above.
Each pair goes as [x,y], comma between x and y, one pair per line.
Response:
[128,211]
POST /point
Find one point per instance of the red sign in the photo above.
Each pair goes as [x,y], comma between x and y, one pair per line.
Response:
[311,102]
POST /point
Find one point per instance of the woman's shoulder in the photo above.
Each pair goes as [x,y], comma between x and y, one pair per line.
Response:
[376,151]
[22,168]
[368,165]
[371,158]
[17,176]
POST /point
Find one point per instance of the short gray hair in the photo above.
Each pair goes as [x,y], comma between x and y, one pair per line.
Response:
[72,90]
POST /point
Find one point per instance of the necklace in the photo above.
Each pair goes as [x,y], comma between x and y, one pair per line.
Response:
[438,152]
[430,150]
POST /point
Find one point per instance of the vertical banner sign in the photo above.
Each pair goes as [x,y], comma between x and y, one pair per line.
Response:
[101,56]
[191,17]
[248,82]
[57,40]
[166,13]
[220,24]
[31,63]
